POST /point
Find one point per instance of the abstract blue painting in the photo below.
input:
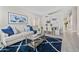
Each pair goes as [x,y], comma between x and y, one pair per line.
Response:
[17,18]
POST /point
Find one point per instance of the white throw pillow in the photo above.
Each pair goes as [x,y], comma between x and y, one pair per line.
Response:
[27,29]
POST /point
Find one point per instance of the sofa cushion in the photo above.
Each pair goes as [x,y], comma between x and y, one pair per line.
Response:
[20,28]
[8,30]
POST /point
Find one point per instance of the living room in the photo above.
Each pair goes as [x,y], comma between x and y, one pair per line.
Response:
[47,25]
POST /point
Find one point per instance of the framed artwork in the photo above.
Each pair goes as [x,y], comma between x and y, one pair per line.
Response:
[47,21]
[54,19]
[17,18]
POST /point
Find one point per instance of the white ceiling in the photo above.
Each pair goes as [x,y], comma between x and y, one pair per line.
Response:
[42,10]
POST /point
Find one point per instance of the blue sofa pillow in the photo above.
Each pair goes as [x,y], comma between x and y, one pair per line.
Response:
[8,30]
[35,31]
[31,29]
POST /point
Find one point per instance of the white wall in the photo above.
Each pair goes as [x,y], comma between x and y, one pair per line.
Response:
[78,20]
[74,19]
[70,39]
[0,16]
[72,25]
[4,15]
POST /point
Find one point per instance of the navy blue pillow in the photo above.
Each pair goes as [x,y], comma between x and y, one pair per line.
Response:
[8,30]
[35,31]
[31,29]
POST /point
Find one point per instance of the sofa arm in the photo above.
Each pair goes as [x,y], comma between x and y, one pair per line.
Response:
[2,34]
[2,37]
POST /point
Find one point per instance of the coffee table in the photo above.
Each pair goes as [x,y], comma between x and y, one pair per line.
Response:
[35,40]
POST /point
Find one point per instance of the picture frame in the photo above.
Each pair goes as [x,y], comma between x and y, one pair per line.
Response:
[16,18]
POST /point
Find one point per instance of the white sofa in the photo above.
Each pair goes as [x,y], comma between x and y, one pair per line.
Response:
[20,35]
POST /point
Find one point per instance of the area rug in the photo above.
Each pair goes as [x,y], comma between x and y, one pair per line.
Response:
[49,45]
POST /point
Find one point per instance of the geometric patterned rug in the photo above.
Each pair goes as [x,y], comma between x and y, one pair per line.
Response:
[49,45]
